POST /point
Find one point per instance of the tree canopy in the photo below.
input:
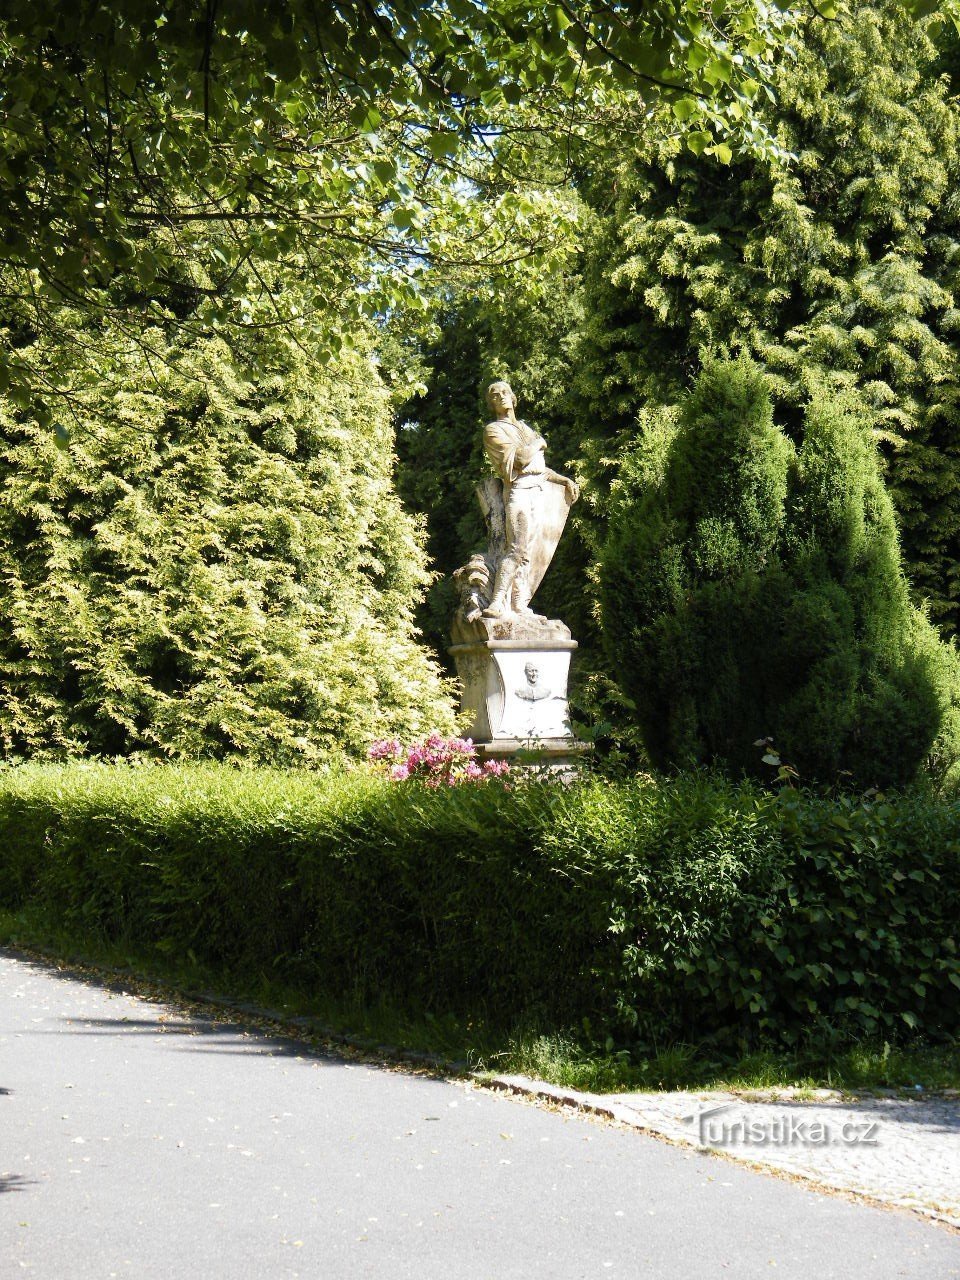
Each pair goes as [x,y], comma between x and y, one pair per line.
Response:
[347,135]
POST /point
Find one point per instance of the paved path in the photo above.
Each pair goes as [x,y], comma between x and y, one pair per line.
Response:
[137,1141]
[900,1151]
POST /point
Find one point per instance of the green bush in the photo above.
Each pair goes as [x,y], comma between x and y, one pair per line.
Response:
[692,908]
[753,590]
[738,915]
[216,563]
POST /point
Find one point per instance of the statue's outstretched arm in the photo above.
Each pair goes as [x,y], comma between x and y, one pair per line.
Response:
[573,489]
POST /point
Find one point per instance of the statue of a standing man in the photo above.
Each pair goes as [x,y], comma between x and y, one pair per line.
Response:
[516,453]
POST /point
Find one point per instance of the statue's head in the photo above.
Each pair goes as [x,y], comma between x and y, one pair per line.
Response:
[500,398]
[531,672]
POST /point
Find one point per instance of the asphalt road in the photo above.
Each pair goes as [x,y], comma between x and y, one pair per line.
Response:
[135,1141]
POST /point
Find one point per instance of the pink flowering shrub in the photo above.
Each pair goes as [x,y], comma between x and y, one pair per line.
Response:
[435,760]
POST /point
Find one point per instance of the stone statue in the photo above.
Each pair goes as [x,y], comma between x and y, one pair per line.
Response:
[531,510]
[512,662]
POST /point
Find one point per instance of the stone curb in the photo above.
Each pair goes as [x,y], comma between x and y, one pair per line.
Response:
[592,1104]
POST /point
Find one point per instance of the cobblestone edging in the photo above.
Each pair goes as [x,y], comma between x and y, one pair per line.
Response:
[894,1150]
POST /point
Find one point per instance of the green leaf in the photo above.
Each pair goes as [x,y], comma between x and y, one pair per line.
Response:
[366,117]
[698,142]
[684,108]
[717,71]
[442,145]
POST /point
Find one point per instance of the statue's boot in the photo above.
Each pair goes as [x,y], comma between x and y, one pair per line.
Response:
[520,595]
[500,604]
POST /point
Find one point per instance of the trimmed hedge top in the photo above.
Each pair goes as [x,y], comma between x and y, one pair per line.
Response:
[691,908]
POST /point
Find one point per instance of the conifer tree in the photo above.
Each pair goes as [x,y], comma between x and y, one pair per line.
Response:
[214,563]
[843,261]
[752,590]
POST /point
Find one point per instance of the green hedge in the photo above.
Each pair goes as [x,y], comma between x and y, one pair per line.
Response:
[690,908]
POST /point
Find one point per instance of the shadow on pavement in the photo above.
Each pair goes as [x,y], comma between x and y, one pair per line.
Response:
[243,1034]
[15,1182]
[234,1029]
[226,1037]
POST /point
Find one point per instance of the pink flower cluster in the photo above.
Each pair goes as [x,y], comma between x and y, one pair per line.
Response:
[435,761]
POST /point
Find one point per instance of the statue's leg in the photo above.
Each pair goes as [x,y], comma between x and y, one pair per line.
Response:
[502,587]
[520,591]
[512,560]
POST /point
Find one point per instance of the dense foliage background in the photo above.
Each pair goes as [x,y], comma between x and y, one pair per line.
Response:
[833,264]
[213,562]
[842,262]
[237,243]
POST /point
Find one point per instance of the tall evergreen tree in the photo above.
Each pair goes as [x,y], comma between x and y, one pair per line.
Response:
[753,590]
[843,261]
[214,563]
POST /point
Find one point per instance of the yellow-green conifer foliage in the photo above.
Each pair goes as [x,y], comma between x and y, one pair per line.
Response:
[216,563]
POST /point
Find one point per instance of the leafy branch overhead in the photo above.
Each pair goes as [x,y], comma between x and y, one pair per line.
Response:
[347,133]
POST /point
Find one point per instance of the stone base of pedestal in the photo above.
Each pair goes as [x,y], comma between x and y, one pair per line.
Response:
[558,757]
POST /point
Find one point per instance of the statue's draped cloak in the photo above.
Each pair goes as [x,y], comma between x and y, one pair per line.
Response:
[514,449]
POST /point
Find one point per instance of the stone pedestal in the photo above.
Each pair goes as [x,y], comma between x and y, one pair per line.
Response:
[558,757]
[517,692]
